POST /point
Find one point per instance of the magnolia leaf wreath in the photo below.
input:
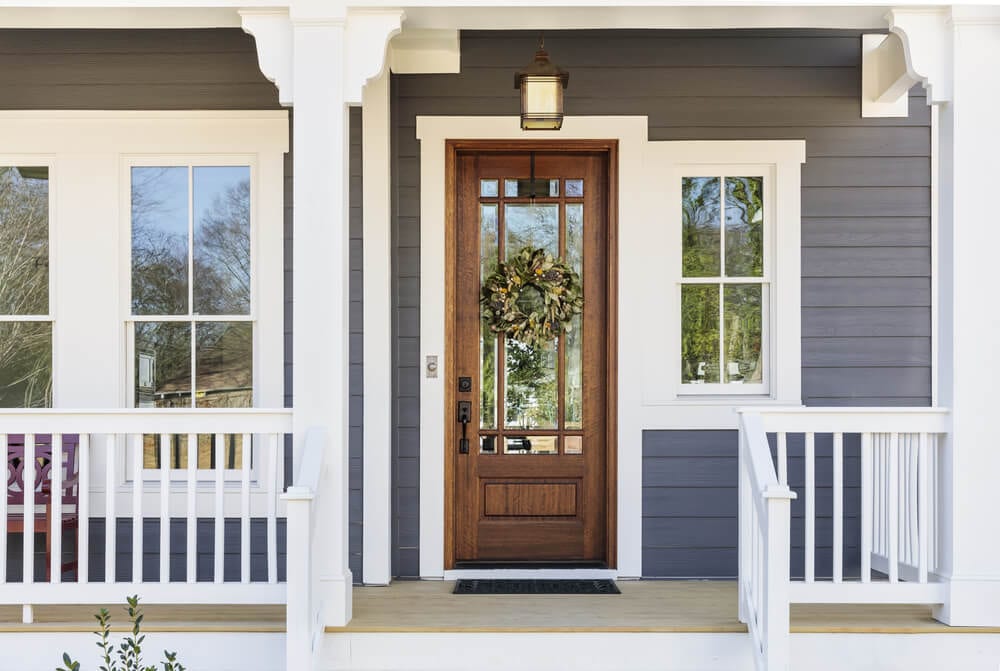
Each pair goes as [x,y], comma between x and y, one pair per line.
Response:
[532,297]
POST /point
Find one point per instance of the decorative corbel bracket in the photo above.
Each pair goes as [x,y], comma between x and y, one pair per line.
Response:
[926,35]
[272,29]
[885,81]
[367,42]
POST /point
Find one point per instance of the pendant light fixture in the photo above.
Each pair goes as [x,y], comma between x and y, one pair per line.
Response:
[541,84]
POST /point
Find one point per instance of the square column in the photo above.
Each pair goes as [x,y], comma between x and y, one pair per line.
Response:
[320,290]
[969,331]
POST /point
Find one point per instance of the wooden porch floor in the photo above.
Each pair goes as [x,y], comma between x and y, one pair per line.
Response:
[429,606]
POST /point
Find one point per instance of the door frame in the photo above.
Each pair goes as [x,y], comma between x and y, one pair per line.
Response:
[608,147]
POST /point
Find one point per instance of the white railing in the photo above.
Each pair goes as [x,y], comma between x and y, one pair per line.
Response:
[304,624]
[765,511]
[225,472]
[874,476]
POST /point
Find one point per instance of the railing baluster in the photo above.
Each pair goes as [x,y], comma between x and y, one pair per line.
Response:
[838,507]
[810,519]
[55,509]
[164,507]
[28,554]
[782,458]
[220,520]
[3,513]
[878,453]
[867,502]
[110,521]
[82,510]
[923,508]
[191,525]
[137,454]
[245,510]
[272,508]
[893,531]
[912,500]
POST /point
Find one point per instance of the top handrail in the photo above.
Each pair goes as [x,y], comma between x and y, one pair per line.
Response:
[146,420]
[763,476]
[852,420]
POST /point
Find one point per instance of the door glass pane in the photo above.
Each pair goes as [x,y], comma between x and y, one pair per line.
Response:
[488,444]
[163,365]
[744,227]
[574,374]
[531,398]
[742,333]
[531,226]
[24,241]
[224,365]
[159,241]
[574,188]
[531,445]
[701,221]
[699,333]
[25,364]
[221,201]
[489,188]
[573,445]
[574,237]
[488,339]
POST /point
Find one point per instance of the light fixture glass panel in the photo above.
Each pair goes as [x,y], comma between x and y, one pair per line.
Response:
[744,226]
[542,96]
[24,241]
[25,364]
[531,226]
[160,240]
[699,333]
[701,221]
[531,445]
[743,333]
[489,188]
[530,382]
[224,365]
[221,202]
[164,348]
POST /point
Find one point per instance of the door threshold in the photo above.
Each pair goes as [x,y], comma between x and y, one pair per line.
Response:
[531,573]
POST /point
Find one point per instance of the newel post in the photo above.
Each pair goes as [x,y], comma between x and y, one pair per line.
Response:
[299,625]
[775,606]
[955,52]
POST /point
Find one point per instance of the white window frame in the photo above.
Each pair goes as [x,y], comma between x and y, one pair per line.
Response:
[41,161]
[779,163]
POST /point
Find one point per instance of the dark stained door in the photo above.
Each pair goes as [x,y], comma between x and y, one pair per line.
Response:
[532,488]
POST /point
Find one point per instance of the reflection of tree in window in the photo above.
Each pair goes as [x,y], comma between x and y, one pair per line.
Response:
[531,385]
[25,346]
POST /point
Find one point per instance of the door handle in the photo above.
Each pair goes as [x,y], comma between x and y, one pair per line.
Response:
[464,416]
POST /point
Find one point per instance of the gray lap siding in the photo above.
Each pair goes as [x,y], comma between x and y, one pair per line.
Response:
[865,243]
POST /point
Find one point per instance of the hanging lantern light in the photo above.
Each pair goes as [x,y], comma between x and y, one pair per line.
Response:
[541,85]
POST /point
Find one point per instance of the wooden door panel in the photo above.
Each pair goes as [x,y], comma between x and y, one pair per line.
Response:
[512,503]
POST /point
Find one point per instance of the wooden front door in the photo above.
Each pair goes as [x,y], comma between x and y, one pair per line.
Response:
[531,485]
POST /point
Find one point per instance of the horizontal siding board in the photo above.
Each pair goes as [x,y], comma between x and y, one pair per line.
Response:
[867,231]
[689,502]
[866,352]
[820,141]
[868,381]
[865,201]
[868,172]
[689,444]
[867,401]
[689,471]
[866,262]
[689,562]
[872,322]
[866,291]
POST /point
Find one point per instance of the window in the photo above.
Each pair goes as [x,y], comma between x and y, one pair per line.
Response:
[191,297]
[25,321]
[725,238]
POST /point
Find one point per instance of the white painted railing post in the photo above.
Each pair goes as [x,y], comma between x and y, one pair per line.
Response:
[299,581]
[745,503]
[775,611]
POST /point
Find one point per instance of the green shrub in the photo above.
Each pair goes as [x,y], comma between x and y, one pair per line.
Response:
[128,655]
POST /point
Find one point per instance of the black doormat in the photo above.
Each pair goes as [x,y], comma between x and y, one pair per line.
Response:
[536,587]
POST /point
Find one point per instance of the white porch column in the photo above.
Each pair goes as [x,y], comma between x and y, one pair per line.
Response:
[319,288]
[957,52]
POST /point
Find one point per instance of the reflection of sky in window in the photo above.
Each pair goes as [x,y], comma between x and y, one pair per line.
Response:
[213,182]
[159,199]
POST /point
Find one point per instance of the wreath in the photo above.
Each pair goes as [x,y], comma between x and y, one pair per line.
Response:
[532,297]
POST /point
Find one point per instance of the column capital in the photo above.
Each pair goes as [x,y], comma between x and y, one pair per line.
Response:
[926,34]
[368,35]
[272,29]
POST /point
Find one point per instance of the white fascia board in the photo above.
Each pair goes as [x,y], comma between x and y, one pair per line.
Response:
[422,51]
[81,16]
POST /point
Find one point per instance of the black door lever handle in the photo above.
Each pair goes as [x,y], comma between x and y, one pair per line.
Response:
[464,416]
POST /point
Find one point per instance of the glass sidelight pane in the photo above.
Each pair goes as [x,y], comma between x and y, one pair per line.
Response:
[531,387]
[574,237]
[24,241]
[743,333]
[160,241]
[487,339]
[25,364]
[701,221]
[531,445]
[744,226]
[221,263]
[531,226]
[162,365]
[699,333]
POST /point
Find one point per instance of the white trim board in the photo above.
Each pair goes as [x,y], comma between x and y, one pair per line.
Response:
[642,168]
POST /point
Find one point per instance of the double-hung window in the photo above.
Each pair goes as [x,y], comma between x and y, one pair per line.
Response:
[25,319]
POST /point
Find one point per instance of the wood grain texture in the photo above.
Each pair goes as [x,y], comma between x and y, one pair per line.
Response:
[530,499]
